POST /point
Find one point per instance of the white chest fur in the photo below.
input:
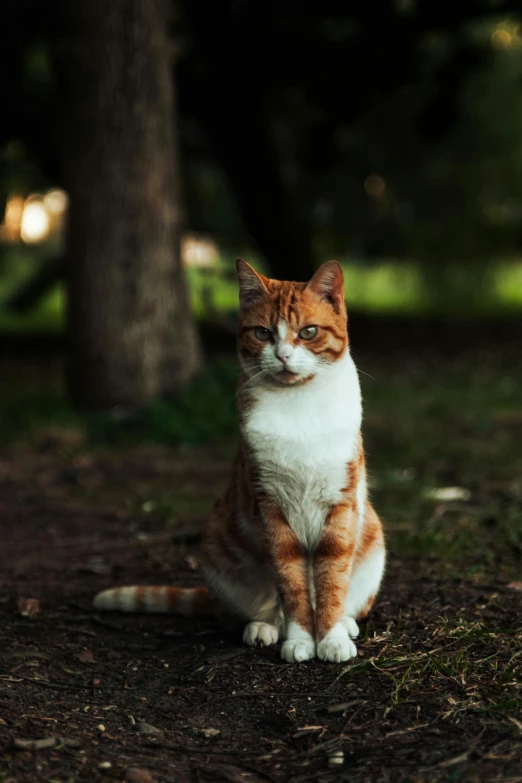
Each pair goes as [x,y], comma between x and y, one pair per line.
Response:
[302,439]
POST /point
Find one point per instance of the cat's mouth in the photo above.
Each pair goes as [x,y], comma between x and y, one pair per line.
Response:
[291,378]
[287,376]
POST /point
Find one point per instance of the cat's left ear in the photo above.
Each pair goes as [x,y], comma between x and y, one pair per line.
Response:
[328,284]
[252,285]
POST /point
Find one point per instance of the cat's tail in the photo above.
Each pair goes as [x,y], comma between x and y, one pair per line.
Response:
[185,601]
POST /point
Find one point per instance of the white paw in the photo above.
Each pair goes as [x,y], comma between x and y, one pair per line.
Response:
[351,626]
[297,650]
[260,634]
[336,645]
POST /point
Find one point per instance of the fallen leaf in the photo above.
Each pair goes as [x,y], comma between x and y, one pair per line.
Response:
[137,775]
[146,728]
[86,656]
[29,607]
[515,586]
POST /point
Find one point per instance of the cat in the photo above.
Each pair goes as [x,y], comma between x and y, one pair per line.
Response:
[294,548]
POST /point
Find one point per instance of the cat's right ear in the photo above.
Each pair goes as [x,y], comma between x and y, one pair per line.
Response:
[252,285]
[328,284]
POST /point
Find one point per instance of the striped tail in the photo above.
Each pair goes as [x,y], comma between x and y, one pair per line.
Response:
[185,601]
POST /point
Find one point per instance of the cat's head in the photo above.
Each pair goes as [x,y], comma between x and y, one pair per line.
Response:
[289,333]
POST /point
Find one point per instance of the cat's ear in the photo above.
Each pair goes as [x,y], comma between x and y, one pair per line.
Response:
[252,285]
[328,284]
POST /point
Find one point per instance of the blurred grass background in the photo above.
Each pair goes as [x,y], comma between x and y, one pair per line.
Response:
[385,287]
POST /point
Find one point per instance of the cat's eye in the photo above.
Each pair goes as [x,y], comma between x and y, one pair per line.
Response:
[308,333]
[262,334]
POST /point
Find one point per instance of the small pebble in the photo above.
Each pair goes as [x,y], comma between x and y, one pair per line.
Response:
[105,765]
[210,732]
[336,758]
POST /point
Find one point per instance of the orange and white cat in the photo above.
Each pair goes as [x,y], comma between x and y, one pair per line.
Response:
[294,549]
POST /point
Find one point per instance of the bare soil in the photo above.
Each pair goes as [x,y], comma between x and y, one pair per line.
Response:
[421,702]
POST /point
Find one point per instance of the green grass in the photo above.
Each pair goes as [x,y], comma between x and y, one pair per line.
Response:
[204,412]
[434,424]
[48,316]
[481,667]
[391,287]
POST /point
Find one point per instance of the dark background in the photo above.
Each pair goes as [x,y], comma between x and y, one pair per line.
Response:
[144,144]
[385,134]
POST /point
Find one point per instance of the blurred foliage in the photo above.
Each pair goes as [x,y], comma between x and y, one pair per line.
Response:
[385,286]
[457,198]
[422,99]
[205,411]
[423,102]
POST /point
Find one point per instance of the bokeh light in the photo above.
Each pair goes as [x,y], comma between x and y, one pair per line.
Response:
[35,221]
[501,38]
[56,201]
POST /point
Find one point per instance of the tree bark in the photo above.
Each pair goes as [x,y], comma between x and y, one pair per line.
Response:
[131,333]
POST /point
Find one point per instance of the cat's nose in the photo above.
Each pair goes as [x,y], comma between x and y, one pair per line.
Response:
[284,353]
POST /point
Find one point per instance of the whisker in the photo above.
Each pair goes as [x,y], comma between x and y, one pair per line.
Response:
[251,380]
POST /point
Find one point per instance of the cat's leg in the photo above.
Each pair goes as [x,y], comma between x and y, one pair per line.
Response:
[332,566]
[248,594]
[266,623]
[368,569]
[291,575]
[238,574]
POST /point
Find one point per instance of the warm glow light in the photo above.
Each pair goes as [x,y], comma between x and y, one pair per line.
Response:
[13,217]
[35,222]
[56,201]
[501,38]
[199,252]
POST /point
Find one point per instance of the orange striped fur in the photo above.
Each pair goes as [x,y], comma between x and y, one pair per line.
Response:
[188,602]
[294,548]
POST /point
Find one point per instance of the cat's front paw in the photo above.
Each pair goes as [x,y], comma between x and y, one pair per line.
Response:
[336,645]
[260,634]
[297,650]
[351,626]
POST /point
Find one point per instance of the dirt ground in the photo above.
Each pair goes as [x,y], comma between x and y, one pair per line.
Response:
[139,698]
[436,691]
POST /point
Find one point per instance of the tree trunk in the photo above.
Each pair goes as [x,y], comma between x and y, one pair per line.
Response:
[131,333]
